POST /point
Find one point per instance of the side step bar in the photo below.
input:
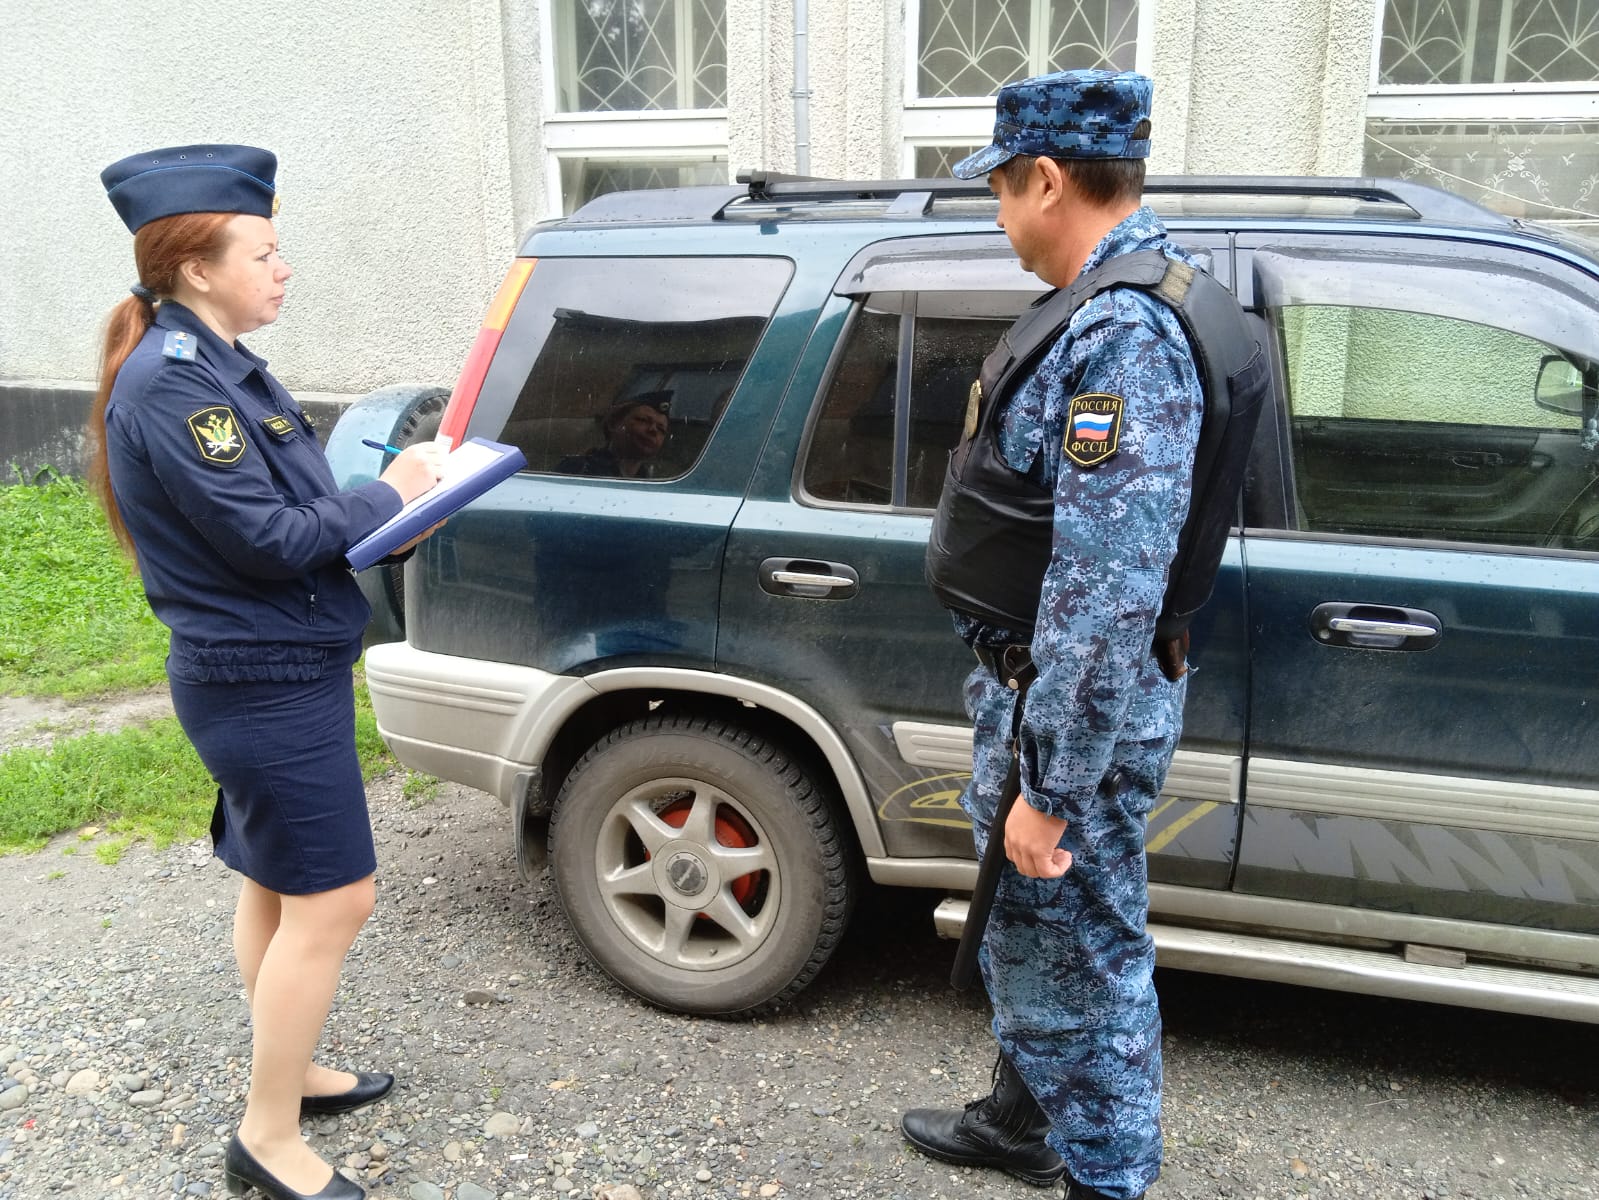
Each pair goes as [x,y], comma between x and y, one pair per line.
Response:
[1345,969]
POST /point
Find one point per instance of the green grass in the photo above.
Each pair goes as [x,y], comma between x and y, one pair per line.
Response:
[141,782]
[74,622]
[73,619]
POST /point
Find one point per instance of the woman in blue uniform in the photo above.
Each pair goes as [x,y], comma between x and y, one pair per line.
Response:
[212,477]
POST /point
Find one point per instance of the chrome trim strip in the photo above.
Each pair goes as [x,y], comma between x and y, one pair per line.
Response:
[1194,774]
[1197,775]
[1347,969]
[1488,805]
[1379,973]
[1331,920]
[942,747]
[956,874]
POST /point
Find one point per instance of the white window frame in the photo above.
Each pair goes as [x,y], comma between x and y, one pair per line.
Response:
[948,121]
[1473,102]
[652,135]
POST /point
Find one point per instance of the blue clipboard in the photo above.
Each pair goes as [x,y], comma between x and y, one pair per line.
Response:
[452,494]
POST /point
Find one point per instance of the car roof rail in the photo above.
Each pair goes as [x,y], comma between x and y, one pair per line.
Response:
[1428,203]
[915,197]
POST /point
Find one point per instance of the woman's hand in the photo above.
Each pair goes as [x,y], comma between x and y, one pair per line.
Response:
[415,470]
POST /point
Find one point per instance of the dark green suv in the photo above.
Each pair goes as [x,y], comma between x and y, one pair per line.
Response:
[691,649]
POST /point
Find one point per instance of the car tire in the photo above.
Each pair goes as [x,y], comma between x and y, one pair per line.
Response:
[420,424]
[702,867]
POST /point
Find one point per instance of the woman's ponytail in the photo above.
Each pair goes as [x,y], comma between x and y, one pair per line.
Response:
[124,329]
[159,250]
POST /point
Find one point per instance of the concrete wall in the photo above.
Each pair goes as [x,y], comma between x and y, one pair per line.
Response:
[412,155]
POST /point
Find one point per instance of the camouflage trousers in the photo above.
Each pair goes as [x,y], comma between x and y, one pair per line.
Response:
[1068,964]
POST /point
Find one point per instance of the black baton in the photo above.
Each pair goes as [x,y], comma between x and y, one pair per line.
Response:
[965,972]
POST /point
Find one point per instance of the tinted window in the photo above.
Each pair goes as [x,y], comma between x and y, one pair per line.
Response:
[624,366]
[881,439]
[1409,424]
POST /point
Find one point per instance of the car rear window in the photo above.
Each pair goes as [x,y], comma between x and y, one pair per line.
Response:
[621,367]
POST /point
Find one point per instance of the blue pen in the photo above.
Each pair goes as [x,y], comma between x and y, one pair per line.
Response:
[380,446]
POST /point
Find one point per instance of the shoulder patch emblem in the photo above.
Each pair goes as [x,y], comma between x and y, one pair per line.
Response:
[1093,428]
[279,426]
[180,345]
[217,434]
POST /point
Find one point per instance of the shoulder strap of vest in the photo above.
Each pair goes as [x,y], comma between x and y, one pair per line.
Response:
[1040,326]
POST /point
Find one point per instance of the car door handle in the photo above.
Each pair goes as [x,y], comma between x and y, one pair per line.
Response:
[804,577]
[1375,627]
[808,579]
[1391,628]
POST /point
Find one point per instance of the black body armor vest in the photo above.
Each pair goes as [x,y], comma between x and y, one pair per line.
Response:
[994,527]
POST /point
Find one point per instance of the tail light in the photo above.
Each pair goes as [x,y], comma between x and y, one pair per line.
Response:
[458,412]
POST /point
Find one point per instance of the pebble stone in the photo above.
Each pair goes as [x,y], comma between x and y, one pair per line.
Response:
[124,1055]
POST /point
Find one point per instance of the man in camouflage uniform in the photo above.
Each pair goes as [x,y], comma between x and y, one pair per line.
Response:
[1066,958]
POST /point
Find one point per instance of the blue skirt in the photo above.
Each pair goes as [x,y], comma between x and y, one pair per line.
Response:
[291,806]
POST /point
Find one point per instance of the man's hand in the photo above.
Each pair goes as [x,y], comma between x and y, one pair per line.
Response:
[1032,841]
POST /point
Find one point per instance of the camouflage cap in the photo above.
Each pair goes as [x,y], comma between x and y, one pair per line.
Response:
[1070,114]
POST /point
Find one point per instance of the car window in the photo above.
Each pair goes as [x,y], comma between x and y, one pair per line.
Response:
[882,436]
[624,366]
[1416,422]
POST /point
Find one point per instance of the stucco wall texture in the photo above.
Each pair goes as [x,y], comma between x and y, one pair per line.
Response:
[388,121]
[410,140]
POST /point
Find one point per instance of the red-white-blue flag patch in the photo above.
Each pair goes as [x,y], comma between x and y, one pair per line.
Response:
[1093,428]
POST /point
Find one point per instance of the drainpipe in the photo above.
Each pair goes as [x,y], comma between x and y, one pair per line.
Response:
[802,90]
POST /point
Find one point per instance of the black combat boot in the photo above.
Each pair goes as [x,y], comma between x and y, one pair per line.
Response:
[1004,1129]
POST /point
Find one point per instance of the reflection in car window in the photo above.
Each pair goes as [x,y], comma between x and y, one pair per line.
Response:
[638,362]
[1413,425]
[852,456]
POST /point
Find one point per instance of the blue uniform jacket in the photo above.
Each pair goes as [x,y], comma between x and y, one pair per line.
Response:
[1115,531]
[239,526]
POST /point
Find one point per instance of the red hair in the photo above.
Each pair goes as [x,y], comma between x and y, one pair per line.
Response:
[159,250]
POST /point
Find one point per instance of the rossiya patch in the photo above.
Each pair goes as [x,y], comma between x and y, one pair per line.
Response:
[216,432]
[1093,428]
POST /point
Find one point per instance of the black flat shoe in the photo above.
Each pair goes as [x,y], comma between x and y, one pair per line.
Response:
[370,1087]
[240,1172]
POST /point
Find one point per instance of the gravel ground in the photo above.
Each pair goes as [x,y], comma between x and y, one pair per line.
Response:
[525,1073]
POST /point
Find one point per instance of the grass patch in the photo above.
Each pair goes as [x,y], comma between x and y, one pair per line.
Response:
[74,622]
[145,781]
[419,788]
[73,618]
[142,782]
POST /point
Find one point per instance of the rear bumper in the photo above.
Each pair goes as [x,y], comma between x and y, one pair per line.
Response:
[484,724]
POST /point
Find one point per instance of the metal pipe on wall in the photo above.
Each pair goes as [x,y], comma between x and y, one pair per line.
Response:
[802,89]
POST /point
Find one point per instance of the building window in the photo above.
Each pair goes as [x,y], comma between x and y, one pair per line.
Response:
[637,90]
[937,162]
[585,177]
[641,55]
[974,47]
[1497,100]
[961,52]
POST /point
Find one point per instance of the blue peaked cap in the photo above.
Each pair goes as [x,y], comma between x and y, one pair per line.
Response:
[1070,114]
[192,179]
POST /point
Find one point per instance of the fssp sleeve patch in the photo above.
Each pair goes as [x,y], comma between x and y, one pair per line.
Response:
[1093,428]
[217,434]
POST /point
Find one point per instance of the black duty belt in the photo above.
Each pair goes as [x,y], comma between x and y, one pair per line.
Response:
[1012,664]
